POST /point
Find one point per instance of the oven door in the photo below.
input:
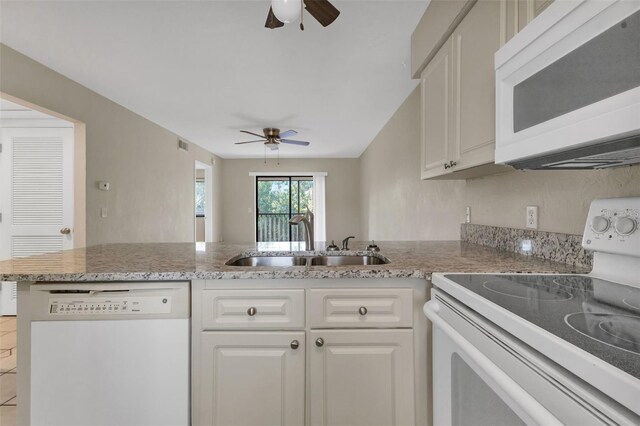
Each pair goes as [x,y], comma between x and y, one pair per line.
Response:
[484,376]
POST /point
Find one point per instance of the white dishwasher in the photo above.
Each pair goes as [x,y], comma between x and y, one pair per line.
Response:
[109,354]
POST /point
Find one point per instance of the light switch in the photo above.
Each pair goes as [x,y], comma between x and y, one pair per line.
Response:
[103,212]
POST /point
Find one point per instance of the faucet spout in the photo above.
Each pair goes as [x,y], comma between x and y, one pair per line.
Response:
[307,220]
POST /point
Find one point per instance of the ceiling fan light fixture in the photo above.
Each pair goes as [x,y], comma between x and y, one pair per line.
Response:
[286,10]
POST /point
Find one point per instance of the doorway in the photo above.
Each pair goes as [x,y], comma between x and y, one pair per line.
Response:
[42,207]
[203,203]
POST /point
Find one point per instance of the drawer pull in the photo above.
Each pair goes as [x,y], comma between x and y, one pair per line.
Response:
[295,344]
[252,311]
[319,342]
[362,311]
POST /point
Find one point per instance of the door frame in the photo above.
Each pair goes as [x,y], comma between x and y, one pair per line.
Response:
[79,234]
[208,200]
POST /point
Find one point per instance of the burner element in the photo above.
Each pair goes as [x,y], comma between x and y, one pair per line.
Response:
[620,331]
[530,291]
[632,301]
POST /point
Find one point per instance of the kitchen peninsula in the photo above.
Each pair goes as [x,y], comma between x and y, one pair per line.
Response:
[307,344]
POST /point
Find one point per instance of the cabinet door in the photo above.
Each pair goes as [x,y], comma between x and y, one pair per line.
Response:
[361,377]
[476,40]
[252,378]
[436,112]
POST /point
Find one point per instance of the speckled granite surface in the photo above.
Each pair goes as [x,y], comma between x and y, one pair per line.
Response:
[186,261]
[553,246]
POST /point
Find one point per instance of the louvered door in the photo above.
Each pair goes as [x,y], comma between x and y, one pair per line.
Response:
[36,178]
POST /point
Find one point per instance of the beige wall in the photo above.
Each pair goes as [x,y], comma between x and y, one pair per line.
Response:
[396,204]
[152,191]
[342,194]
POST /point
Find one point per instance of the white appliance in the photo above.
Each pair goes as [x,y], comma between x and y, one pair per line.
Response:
[568,88]
[108,354]
[8,298]
[545,349]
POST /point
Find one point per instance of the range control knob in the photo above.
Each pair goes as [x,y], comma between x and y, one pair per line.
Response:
[600,224]
[625,225]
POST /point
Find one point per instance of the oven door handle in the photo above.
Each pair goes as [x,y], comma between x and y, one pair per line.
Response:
[526,402]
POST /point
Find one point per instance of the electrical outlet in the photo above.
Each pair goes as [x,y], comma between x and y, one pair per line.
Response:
[467,216]
[532,217]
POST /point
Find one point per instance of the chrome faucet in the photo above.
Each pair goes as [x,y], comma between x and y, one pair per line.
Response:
[345,243]
[307,219]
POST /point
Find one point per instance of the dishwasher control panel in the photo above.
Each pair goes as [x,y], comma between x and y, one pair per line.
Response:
[126,305]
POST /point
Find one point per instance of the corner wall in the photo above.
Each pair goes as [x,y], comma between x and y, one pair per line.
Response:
[396,204]
[152,182]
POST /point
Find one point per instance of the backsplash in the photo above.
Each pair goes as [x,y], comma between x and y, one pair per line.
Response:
[554,246]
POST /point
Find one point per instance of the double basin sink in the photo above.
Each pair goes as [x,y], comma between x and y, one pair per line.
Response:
[286,261]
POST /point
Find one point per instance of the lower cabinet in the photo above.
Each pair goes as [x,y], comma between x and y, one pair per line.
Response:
[361,377]
[252,378]
[356,355]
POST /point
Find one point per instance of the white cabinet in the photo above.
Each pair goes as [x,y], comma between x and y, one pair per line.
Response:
[252,378]
[360,308]
[369,367]
[437,98]
[253,309]
[361,377]
[458,97]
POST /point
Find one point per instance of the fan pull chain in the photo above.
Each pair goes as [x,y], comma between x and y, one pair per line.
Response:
[301,15]
[278,156]
[265,154]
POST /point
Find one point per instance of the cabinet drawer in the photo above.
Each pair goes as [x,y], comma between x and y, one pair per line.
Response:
[252,309]
[352,308]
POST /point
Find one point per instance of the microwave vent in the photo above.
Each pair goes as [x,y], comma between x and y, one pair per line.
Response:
[616,153]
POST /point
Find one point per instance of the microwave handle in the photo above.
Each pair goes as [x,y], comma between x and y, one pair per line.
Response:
[526,402]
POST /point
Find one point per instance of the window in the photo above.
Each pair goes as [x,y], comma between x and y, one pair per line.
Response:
[278,199]
[200,198]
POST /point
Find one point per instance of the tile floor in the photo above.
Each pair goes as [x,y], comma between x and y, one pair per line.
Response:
[7,371]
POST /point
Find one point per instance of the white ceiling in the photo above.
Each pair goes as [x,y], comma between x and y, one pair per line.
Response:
[206,69]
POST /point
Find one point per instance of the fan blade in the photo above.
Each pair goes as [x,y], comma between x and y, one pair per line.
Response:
[240,143]
[272,21]
[292,142]
[287,134]
[254,134]
[322,10]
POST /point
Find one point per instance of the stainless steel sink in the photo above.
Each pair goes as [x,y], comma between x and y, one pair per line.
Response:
[347,260]
[282,261]
[285,261]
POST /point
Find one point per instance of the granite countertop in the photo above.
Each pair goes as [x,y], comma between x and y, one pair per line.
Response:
[188,261]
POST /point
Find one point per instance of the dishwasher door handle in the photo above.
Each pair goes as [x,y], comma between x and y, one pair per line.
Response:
[529,405]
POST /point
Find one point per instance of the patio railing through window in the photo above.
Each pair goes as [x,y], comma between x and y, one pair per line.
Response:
[275,227]
[278,199]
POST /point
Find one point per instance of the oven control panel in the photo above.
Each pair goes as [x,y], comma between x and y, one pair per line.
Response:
[612,226]
[125,305]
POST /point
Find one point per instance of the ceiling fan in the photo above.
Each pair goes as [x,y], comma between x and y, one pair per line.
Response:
[273,138]
[285,11]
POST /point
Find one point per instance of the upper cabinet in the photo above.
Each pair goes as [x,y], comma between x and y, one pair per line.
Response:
[458,82]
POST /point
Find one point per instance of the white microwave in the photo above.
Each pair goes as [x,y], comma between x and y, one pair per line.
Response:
[568,88]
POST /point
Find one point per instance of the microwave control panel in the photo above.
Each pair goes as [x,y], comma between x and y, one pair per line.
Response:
[612,226]
[125,305]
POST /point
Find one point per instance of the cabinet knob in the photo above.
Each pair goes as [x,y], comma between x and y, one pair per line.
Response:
[295,344]
[65,231]
[251,311]
[362,310]
[446,166]
[319,342]
[452,163]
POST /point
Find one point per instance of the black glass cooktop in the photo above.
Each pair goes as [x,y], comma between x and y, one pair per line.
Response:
[600,317]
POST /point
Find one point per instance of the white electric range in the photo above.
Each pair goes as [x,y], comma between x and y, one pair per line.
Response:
[544,348]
